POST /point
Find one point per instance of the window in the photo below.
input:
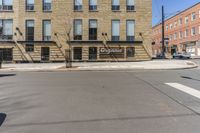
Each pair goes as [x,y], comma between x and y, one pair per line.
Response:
[186,20]
[47,5]
[77,53]
[171,25]
[6,29]
[92,29]
[180,21]
[115,5]
[193,16]
[186,33]
[199,13]
[6,5]
[47,30]
[93,5]
[175,24]
[180,34]
[77,29]
[199,29]
[193,31]
[30,47]
[130,5]
[130,30]
[30,30]
[78,5]
[130,52]
[29,5]
[166,27]
[175,36]
[115,30]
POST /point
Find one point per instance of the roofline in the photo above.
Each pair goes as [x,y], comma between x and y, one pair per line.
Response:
[178,13]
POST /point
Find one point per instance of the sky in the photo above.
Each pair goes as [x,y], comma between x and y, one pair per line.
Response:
[171,8]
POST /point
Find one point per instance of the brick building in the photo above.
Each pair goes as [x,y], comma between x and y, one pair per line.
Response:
[183,32]
[83,30]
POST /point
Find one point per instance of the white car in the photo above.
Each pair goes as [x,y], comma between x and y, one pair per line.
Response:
[181,55]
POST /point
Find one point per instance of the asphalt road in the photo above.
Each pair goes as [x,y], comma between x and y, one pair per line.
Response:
[99,102]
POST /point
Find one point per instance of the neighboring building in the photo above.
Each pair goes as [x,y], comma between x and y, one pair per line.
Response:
[183,32]
[83,30]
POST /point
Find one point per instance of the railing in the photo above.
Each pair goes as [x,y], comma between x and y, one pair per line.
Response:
[6,37]
[130,8]
[47,38]
[30,7]
[47,7]
[78,7]
[93,7]
[115,7]
[6,7]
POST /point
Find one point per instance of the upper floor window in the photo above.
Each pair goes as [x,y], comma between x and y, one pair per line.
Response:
[166,27]
[6,29]
[92,29]
[186,33]
[175,24]
[93,5]
[171,26]
[130,30]
[115,30]
[180,34]
[180,21]
[115,5]
[186,20]
[78,29]
[78,5]
[193,16]
[6,5]
[193,31]
[30,30]
[47,5]
[29,5]
[130,5]
[47,30]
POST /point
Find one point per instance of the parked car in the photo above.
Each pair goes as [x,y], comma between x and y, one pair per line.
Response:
[181,55]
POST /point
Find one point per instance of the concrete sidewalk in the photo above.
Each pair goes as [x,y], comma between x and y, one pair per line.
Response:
[148,65]
[101,66]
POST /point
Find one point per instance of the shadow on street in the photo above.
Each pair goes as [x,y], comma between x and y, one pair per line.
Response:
[2,118]
[6,75]
[185,77]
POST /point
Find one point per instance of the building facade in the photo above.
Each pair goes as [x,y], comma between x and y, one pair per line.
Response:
[182,33]
[80,30]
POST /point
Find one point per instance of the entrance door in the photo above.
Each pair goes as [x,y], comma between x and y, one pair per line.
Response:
[6,54]
[45,53]
[92,53]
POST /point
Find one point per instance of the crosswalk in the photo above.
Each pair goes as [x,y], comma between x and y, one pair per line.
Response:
[185,89]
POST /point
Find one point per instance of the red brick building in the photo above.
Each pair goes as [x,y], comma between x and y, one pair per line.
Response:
[183,32]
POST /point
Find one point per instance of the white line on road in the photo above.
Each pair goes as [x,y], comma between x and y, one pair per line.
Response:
[185,89]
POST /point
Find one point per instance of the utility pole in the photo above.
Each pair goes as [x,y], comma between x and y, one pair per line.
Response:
[163,33]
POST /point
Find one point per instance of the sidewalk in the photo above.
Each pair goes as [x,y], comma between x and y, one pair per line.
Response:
[103,66]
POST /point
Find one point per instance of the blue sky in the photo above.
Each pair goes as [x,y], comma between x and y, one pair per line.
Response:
[171,7]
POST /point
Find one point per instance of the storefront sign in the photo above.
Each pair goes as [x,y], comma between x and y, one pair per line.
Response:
[112,52]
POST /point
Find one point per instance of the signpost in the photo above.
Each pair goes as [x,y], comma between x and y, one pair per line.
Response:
[1,58]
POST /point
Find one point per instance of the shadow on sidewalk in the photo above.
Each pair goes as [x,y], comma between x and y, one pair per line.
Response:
[2,118]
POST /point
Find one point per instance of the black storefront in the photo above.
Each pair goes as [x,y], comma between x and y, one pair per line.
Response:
[6,54]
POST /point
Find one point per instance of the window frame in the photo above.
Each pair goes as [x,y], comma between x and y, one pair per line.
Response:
[29,8]
[78,37]
[95,37]
[43,30]
[44,7]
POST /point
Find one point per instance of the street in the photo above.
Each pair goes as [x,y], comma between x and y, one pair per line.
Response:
[137,101]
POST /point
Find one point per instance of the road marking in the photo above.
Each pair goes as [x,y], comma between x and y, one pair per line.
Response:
[185,89]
